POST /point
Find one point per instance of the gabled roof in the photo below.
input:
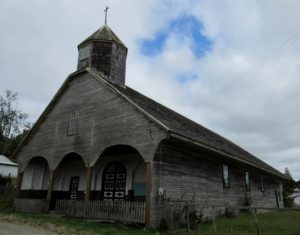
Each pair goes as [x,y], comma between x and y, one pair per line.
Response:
[104,34]
[5,161]
[171,121]
[178,124]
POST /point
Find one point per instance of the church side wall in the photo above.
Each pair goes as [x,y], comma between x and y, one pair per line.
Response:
[197,177]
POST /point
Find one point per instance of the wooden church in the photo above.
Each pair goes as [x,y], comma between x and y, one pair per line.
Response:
[100,140]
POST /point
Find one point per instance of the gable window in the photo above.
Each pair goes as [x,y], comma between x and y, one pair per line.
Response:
[73,123]
[262,184]
[226,181]
[247,181]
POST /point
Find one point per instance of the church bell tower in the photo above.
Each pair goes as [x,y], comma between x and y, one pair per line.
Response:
[104,52]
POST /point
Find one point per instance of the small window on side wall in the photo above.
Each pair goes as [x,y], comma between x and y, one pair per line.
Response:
[262,184]
[226,181]
[279,195]
[247,181]
[73,123]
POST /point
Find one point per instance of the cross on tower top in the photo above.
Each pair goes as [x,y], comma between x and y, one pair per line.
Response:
[106,9]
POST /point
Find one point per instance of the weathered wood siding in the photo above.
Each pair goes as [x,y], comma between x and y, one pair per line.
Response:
[105,119]
[184,174]
[115,67]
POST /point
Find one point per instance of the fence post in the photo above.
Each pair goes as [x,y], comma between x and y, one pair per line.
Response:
[50,187]
[88,183]
[188,218]
[258,231]
[7,186]
[214,225]
[148,195]
[19,184]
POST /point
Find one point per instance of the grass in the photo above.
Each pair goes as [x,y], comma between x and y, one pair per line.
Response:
[64,225]
[277,223]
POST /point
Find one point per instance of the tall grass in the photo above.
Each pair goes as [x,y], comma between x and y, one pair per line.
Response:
[275,223]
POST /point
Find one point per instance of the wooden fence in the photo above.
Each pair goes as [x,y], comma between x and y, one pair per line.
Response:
[131,212]
[31,205]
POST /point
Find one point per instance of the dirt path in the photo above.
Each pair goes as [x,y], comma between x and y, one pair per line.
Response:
[15,228]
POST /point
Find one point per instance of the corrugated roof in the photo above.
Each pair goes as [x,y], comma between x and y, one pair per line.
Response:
[104,34]
[5,161]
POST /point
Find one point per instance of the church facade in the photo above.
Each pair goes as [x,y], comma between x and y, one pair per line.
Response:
[98,139]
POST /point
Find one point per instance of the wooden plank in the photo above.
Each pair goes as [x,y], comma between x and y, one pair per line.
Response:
[19,184]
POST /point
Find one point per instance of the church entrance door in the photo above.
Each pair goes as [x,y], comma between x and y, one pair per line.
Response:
[74,182]
[114,182]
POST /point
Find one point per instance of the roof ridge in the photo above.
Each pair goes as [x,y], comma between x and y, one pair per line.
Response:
[116,87]
[222,141]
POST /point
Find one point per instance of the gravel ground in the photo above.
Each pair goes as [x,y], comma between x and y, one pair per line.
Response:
[15,228]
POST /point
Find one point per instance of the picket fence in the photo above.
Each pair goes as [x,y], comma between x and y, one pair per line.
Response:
[123,211]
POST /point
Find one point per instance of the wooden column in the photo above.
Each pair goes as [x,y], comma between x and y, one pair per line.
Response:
[50,186]
[148,194]
[88,183]
[19,184]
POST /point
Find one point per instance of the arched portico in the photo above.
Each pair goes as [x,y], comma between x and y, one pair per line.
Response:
[119,174]
[69,179]
[34,181]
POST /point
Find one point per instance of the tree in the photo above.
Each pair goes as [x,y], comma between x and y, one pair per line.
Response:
[12,123]
[288,173]
[288,188]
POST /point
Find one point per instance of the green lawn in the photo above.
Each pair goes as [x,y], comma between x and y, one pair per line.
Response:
[275,223]
[279,223]
[64,225]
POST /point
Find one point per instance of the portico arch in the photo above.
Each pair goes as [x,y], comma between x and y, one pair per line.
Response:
[69,178]
[119,164]
[35,178]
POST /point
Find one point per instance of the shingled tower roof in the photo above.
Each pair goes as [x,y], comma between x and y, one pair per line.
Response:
[104,52]
[103,34]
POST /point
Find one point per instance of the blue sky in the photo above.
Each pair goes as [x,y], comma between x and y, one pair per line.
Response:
[182,27]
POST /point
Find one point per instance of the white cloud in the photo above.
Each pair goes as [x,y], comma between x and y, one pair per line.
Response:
[254,105]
